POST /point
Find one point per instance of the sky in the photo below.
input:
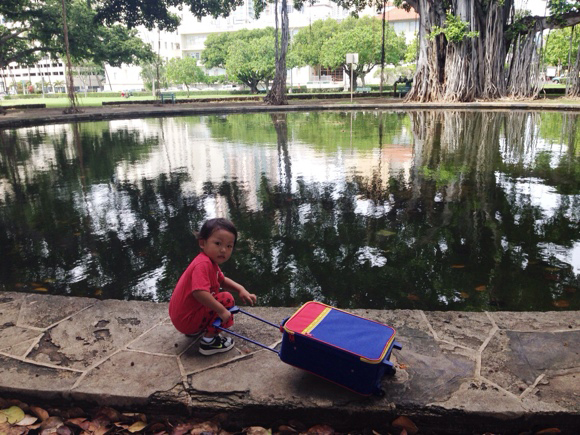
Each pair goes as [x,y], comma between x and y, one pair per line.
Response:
[537,7]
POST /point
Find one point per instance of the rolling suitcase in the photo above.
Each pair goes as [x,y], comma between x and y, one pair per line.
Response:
[341,347]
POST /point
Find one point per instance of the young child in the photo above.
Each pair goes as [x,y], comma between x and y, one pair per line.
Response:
[197,300]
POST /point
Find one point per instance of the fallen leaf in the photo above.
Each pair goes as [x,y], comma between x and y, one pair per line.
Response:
[19,403]
[569,289]
[51,423]
[561,303]
[40,289]
[386,233]
[137,426]
[13,414]
[110,413]
[78,422]
[206,427]
[405,423]
[6,429]
[412,297]
[457,266]
[464,295]
[321,429]
[136,416]
[27,420]
[257,430]
[64,430]
[547,431]
[39,412]
[182,428]
[552,269]
[403,366]
[3,418]
[480,288]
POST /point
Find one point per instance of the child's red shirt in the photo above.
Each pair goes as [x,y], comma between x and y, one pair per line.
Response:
[201,274]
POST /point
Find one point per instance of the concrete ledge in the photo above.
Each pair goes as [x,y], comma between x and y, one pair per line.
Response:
[55,116]
[24,106]
[494,371]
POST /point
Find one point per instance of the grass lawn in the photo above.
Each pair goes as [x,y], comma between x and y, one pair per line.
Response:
[94,100]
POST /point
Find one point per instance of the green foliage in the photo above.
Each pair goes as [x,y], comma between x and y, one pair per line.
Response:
[37,31]
[149,72]
[133,13]
[247,55]
[412,50]
[307,43]
[558,46]
[327,42]
[184,71]
[455,29]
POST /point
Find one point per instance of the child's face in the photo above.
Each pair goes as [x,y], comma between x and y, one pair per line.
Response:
[219,246]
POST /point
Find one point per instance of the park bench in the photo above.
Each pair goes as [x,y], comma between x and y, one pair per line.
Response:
[363,89]
[402,90]
[167,96]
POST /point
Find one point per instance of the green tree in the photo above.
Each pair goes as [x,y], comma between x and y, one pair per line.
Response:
[184,71]
[558,48]
[246,55]
[307,44]
[67,29]
[216,48]
[412,50]
[328,44]
[480,49]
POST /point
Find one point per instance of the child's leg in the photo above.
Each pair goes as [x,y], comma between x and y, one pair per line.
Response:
[227,300]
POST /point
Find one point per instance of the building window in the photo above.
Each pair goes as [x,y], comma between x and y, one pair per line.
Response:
[335,74]
[177,46]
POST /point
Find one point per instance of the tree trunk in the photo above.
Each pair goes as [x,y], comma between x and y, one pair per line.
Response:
[429,79]
[573,78]
[73,108]
[473,68]
[277,94]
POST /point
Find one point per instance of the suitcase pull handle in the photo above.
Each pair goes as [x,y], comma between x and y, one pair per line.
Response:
[235,309]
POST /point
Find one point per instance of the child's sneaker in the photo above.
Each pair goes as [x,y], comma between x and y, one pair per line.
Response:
[219,344]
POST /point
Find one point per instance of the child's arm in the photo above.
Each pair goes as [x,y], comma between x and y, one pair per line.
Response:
[206,298]
[245,295]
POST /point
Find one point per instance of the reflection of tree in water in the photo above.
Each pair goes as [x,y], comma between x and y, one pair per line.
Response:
[55,230]
[451,235]
[455,233]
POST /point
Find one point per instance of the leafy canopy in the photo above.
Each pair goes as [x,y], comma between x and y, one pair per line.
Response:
[327,42]
[184,71]
[36,30]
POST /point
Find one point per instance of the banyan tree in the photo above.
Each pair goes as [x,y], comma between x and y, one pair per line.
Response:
[480,49]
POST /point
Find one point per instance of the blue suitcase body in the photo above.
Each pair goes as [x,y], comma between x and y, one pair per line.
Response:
[349,350]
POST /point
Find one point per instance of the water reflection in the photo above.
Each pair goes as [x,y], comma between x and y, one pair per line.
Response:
[433,210]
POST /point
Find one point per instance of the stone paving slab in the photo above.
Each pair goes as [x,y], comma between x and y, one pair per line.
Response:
[495,371]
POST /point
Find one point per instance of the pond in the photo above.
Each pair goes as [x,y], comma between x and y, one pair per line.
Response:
[436,210]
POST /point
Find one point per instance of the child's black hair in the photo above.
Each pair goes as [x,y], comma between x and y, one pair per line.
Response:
[212,225]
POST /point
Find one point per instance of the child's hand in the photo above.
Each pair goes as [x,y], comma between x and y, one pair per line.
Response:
[225,315]
[247,297]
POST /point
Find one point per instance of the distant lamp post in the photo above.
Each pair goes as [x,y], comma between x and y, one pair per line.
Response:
[352,59]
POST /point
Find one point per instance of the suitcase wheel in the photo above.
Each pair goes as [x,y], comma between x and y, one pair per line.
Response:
[379,392]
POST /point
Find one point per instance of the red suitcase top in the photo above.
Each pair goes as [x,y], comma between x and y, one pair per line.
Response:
[365,338]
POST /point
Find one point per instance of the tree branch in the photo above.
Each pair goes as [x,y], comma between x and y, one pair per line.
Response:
[538,22]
